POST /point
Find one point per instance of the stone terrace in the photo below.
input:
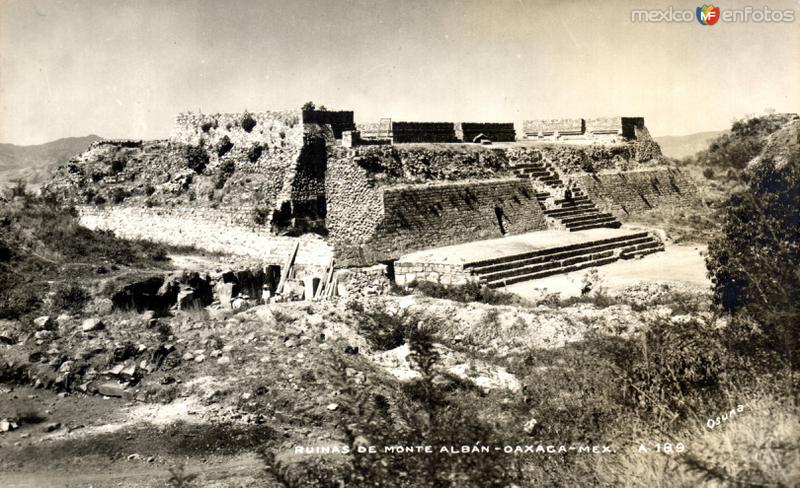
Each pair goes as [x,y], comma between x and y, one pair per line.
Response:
[501,262]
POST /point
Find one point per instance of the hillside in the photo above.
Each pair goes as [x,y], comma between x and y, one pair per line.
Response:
[687,145]
[34,163]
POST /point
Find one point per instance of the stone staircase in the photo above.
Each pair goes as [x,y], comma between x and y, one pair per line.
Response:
[539,171]
[531,265]
[579,213]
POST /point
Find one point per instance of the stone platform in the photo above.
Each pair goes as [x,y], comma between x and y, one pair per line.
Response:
[501,262]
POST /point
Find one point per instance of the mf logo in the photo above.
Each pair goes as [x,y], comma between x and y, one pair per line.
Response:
[708,14]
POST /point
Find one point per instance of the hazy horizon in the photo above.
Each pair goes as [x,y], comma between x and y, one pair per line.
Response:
[125,69]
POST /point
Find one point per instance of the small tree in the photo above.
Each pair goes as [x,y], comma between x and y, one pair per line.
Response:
[248,122]
[196,158]
[309,106]
[224,146]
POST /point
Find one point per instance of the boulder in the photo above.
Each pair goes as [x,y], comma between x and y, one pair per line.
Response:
[92,324]
[42,323]
[111,389]
[43,334]
[63,319]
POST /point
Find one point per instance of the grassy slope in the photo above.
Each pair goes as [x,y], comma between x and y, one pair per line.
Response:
[43,249]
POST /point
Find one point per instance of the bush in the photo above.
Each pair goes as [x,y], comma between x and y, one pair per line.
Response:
[224,146]
[254,153]
[469,292]
[708,173]
[117,165]
[675,367]
[17,189]
[71,297]
[260,215]
[248,122]
[118,195]
[196,158]
[385,330]
[149,189]
[226,169]
[208,125]
[753,265]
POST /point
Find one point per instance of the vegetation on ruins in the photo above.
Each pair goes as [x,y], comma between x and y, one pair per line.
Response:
[248,123]
[196,158]
[754,264]
[468,292]
[224,146]
[225,170]
[254,152]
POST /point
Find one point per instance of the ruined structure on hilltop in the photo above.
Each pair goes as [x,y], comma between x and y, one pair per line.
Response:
[603,129]
[250,183]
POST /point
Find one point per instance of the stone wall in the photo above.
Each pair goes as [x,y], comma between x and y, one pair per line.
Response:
[550,126]
[271,129]
[496,132]
[226,230]
[339,121]
[369,222]
[574,159]
[633,192]
[423,132]
[604,125]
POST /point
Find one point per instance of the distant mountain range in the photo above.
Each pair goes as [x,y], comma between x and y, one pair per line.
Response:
[35,163]
[681,146]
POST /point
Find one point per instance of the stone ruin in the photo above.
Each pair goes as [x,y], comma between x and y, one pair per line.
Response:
[603,129]
[359,193]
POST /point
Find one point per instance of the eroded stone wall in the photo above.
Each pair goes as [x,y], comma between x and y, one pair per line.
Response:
[630,193]
[496,132]
[216,230]
[403,132]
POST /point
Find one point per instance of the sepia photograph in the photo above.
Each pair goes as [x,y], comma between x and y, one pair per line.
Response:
[399,243]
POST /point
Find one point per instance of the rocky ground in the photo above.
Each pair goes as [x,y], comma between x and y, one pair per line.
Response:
[122,398]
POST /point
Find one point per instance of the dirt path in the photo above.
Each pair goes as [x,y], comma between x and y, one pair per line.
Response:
[241,470]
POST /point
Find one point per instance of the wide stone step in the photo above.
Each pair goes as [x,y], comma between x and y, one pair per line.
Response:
[567,212]
[641,249]
[555,250]
[535,172]
[605,224]
[525,263]
[572,208]
[585,217]
[576,200]
[550,272]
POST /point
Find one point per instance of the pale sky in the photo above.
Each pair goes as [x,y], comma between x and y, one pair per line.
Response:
[126,68]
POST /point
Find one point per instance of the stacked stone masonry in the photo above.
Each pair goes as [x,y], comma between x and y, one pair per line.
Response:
[214,230]
[633,192]
[603,129]
[415,217]
[495,132]
[374,203]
